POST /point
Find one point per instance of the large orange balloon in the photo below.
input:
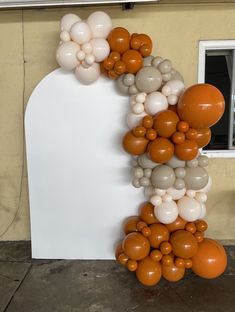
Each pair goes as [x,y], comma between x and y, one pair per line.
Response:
[161,150]
[178,224]
[134,145]
[130,225]
[186,150]
[119,40]
[149,272]
[165,123]
[203,137]
[184,244]
[172,273]
[136,246]
[147,213]
[201,105]
[210,261]
[159,234]
[133,61]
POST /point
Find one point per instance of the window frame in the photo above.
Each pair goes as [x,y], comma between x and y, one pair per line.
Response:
[210,45]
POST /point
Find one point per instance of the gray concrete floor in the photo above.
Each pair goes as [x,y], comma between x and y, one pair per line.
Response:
[102,286]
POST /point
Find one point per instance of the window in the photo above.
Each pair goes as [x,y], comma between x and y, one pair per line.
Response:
[217,67]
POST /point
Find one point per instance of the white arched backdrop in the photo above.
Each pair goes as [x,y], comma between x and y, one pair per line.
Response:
[79,175]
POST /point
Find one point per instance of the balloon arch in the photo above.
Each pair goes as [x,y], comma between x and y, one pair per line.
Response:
[168,125]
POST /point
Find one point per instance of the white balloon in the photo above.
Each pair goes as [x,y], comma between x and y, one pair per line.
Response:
[140,97]
[159,192]
[100,24]
[68,20]
[87,48]
[89,59]
[80,32]
[155,102]
[201,197]
[137,108]
[176,194]
[176,87]
[81,55]
[206,188]
[133,120]
[172,99]
[191,193]
[88,75]
[101,49]
[189,209]
[203,211]
[167,198]
[167,212]
[66,55]
[156,200]
[65,36]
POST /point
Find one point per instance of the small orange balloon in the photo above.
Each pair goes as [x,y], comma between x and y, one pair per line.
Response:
[112,74]
[135,43]
[119,39]
[151,134]
[145,40]
[165,123]
[139,131]
[119,67]
[188,263]
[210,261]
[140,225]
[203,137]
[132,265]
[159,234]
[161,150]
[199,236]
[184,244]
[186,150]
[156,255]
[182,126]
[115,56]
[178,137]
[167,260]
[165,248]
[134,145]
[149,272]
[122,259]
[133,61]
[108,63]
[201,105]
[201,225]
[179,262]
[147,213]
[178,224]
[191,227]
[145,50]
[136,246]
[130,225]
[172,273]
[191,134]
[146,231]
[147,122]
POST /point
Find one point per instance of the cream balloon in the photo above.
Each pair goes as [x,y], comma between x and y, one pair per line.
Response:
[176,194]
[100,48]
[167,212]
[80,32]
[189,209]
[176,87]
[133,120]
[155,102]
[203,211]
[66,55]
[68,20]
[100,24]
[88,75]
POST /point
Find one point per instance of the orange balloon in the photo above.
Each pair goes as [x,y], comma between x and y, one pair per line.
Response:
[201,225]
[178,137]
[191,134]
[203,137]
[167,259]
[178,224]
[159,234]
[132,265]
[201,105]
[119,40]
[179,262]
[122,259]
[161,150]
[139,131]
[155,255]
[165,123]
[149,272]
[188,263]
[133,61]
[172,273]
[199,236]
[165,248]
[147,121]
[191,227]
[115,56]
[108,63]
[130,225]
[119,67]
[182,126]
[186,150]
[145,50]
[210,261]
[147,213]
[151,134]
[134,145]
[136,246]
[118,250]
[184,244]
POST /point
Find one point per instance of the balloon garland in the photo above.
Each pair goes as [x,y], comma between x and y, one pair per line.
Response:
[168,125]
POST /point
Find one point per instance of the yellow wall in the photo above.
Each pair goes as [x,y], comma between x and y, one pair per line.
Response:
[28,40]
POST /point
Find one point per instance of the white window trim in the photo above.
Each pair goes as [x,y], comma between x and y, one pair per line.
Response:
[203,47]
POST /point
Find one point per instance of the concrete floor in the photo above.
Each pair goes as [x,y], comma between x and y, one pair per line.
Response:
[102,286]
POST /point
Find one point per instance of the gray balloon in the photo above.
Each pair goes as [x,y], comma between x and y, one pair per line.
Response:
[145,162]
[203,161]
[120,86]
[163,177]
[165,66]
[128,80]
[156,61]
[133,90]
[148,60]
[175,162]
[192,163]
[177,76]
[196,178]
[148,79]
[179,184]
[180,172]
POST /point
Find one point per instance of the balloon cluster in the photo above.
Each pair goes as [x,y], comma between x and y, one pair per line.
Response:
[153,250]
[168,125]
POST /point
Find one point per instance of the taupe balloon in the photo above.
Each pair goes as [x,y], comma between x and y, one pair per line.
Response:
[192,163]
[180,172]
[179,184]
[128,79]
[175,162]
[121,87]
[145,162]
[133,90]
[163,177]
[148,60]
[165,66]
[148,79]
[156,61]
[196,178]
[203,161]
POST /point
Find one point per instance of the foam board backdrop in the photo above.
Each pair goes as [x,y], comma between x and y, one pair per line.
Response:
[79,175]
